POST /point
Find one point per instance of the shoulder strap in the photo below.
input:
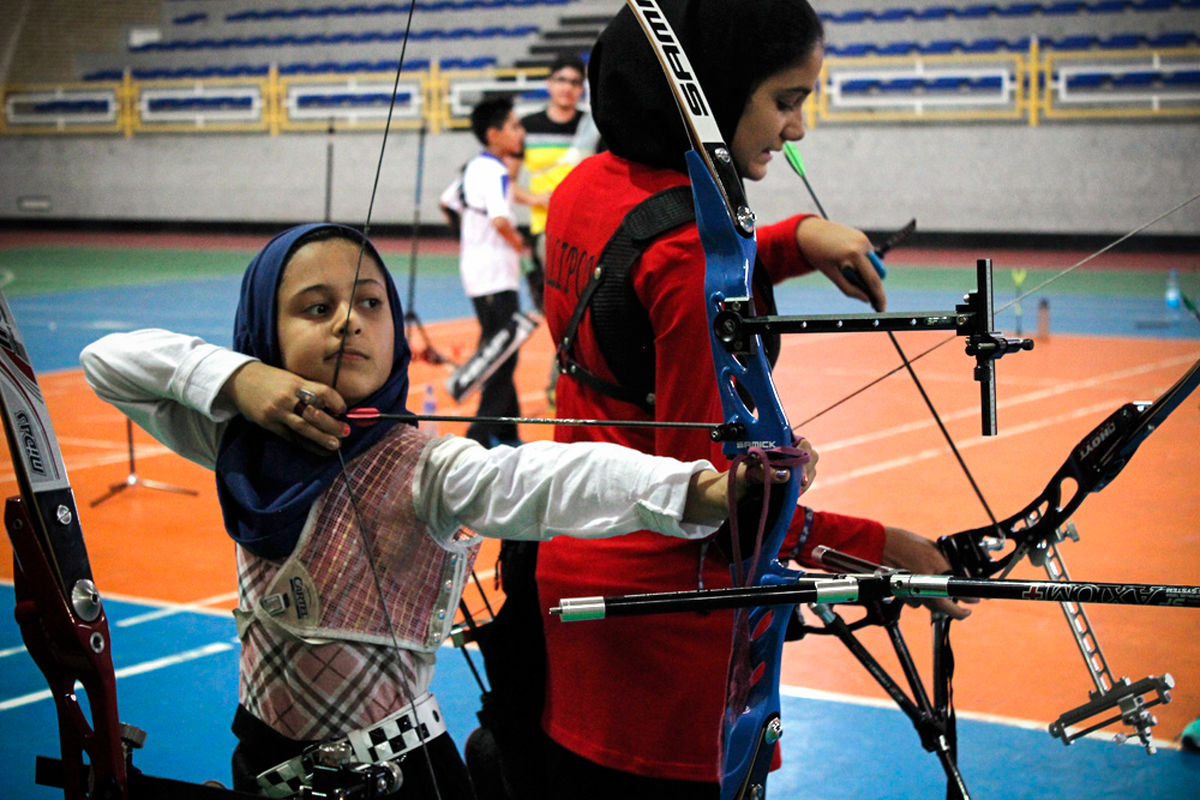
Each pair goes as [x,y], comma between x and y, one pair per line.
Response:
[619,322]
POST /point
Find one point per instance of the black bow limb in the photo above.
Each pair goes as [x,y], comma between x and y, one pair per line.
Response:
[1093,463]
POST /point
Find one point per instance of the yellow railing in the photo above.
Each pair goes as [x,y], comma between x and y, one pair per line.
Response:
[993,87]
[1118,92]
[1032,86]
[1025,87]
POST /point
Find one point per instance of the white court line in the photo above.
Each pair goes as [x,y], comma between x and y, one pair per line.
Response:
[1029,397]
[964,444]
[196,606]
[803,693]
[170,610]
[104,459]
[125,672]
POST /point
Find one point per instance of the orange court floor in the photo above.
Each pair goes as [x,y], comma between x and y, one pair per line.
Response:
[881,456]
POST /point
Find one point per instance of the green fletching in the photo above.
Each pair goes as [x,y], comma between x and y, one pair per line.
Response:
[1187,301]
[792,154]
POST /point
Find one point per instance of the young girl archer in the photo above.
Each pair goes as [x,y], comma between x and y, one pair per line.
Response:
[350,566]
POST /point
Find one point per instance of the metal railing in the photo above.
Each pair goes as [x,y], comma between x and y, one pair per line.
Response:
[1021,87]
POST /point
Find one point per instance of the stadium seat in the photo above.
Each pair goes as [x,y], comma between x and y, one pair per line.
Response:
[901,85]
[947,84]
[860,86]
[1018,10]
[1185,77]
[977,11]
[1122,41]
[1107,7]
[852,50]
[1172,39]
[1077,42]
[897,49]
[1087,80]
[1151,5]
[988,45]
[989,82]
[932,13]
[1063,8]
[851,17]
[1138,79]
[942,46]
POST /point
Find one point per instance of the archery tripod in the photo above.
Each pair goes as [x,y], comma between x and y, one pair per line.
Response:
[134,480]
[412,323]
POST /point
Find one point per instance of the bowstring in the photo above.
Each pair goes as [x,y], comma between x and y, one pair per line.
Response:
[364,535]
[907,364]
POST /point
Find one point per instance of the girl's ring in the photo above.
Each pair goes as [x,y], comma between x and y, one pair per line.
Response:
[306,399]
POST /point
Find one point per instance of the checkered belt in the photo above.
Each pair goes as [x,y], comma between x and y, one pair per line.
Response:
[388,739]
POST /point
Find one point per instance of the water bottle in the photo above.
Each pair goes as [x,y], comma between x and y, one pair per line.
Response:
[429,406]
[1171,295]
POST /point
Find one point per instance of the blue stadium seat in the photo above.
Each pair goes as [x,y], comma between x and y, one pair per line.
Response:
[71,107]
[933,13]
[1077,42]
[976,11]
[900,85]
[860,85]
[989,82]
[896,14]
[988,45]
[1172,39]
[104,75]
[195,103]
[1151,5]
[947,84]
[942,46]
[1184,77]
[897,49]
[851,17]
[1018,10]
[1063,8]
[1087,80]
[852,50]
[1123,41]
[1138,79]
[1107,7]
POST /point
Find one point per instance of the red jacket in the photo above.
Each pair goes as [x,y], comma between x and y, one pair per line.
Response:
[645,694]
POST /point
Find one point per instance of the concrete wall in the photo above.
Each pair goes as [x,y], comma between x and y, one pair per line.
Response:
[1057,178]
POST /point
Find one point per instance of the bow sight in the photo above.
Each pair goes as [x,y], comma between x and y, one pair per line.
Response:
[736,327]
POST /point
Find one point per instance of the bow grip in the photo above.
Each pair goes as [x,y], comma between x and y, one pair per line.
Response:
[729,259]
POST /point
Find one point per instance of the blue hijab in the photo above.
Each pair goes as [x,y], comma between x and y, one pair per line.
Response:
[267,484]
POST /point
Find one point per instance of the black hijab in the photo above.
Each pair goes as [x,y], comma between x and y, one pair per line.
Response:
[266,484]
[733,46]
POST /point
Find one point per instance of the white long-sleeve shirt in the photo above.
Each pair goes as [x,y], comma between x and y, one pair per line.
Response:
[169,384]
